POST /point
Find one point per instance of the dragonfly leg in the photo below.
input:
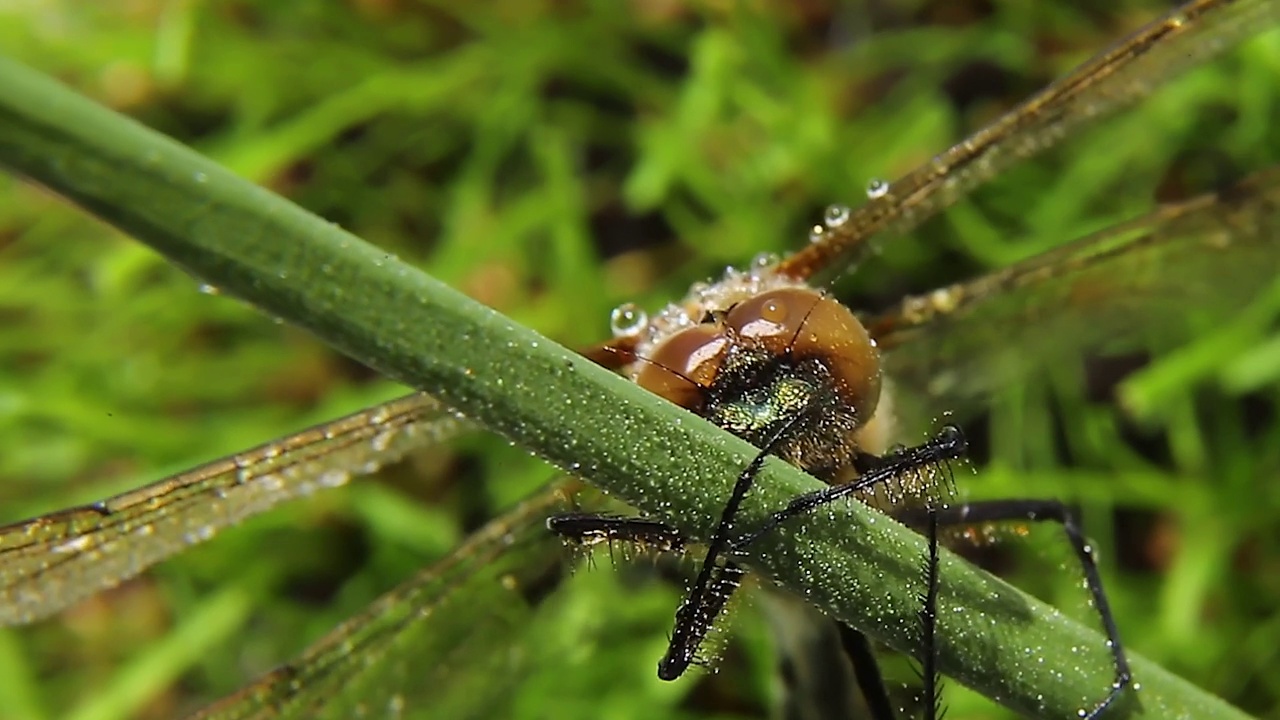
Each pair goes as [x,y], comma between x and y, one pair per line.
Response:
[866,669]
[1035,510]
[929,456]
[589,529]
[929,695]
[866,672]
[697,619]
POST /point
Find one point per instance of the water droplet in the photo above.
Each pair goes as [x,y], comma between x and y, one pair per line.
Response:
[877,189]
[835,216]
[208,289]
[763,260]
[200,177]
[816,233]
[627,319]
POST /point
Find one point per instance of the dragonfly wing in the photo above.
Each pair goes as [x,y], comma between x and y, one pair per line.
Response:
[446,644]
[50,562]
[1110,81]
[1144,284]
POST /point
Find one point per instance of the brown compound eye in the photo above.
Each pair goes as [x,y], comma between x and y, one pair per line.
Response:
[772,318]
[685,364]
[807,323]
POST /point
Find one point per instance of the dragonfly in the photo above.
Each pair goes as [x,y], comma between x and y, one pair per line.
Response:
[377,436]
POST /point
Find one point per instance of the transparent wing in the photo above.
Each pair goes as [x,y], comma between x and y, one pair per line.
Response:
[52,561]
[449,643]
[1110,81]
[1147,283]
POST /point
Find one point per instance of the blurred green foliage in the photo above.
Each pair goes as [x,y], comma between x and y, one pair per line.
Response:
[553,160]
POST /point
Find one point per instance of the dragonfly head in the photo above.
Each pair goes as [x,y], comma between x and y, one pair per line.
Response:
[754,367]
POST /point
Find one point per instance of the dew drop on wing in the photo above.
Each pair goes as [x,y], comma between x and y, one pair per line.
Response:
[627,319]
[877,189]
[763,260]
[835,216]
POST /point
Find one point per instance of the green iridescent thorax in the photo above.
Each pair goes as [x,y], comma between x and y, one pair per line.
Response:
[764,408]
[757,395]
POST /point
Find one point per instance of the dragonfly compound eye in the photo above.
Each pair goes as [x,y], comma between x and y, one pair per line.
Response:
[685,365]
